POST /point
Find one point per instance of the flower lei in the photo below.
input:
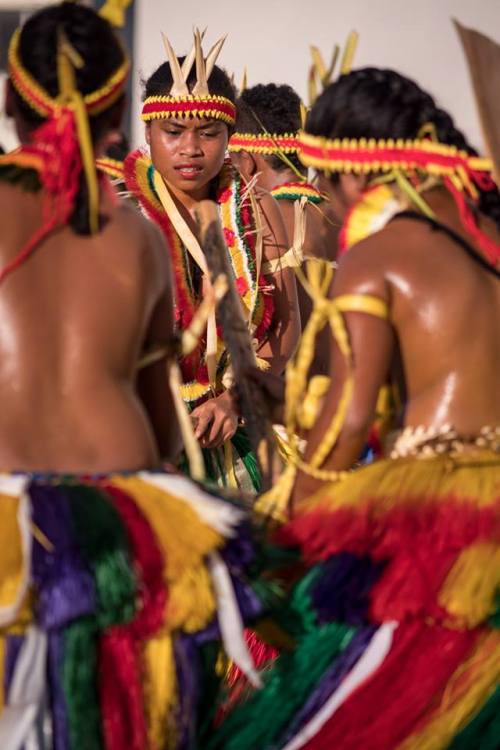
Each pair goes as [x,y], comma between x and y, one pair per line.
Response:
[239,232]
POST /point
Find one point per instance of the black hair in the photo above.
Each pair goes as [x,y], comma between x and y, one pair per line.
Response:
[93,38]
[160,82]
[120,149]
[378,103]
[273,109]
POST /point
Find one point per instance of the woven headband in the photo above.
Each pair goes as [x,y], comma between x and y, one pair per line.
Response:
[184,107]
[264,143]
[366,156]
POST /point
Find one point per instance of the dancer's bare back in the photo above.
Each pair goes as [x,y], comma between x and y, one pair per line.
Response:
[443,336]
[73,321]
[445,312]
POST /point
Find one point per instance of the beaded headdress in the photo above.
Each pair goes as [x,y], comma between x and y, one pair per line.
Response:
[180,102]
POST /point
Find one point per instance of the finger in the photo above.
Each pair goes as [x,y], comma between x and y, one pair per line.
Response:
[228,430]
[214,437]
[203,423]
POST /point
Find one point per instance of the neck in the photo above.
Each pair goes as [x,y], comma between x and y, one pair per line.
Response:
[282,176]
[186,204]
[189,200]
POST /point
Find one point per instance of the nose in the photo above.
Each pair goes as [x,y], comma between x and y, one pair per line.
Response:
[191,143]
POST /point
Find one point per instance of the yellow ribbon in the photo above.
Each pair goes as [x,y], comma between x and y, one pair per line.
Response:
[68,60]
[114,12]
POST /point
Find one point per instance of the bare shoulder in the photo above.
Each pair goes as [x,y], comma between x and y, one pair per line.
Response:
[268,206]
[364,268]
[275,237]
[149,241]
[14,195]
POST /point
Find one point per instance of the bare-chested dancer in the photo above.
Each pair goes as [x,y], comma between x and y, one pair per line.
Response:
[404,552]
[264,147]
[108,564]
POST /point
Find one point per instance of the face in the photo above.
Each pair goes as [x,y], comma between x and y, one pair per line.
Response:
[188,153]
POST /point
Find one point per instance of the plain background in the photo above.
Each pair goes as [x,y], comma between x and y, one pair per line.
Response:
[272,37]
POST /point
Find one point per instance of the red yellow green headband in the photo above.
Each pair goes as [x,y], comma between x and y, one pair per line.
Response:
[46,106]
[366,156]
[460,172]
[264,143]
[184,107]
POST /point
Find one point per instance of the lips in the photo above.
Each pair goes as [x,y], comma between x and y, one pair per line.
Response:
[189,171]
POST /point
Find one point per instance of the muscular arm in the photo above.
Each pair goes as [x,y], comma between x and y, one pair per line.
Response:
[371,341]
[285,329]
[152,381]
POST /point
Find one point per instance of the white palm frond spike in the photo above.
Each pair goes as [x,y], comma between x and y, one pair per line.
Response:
[190,57]
[179,85]
[213,55]
[201,86]
[204,66]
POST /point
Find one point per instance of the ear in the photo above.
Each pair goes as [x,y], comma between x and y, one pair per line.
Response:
[247,164]
[147,133]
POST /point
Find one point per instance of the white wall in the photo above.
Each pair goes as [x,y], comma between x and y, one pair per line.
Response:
[272,37]
[8,138]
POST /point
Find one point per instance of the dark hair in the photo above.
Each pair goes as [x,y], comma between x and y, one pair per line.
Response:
[120,149]
[273,109]
[160,82]
[379,103]
[93,38]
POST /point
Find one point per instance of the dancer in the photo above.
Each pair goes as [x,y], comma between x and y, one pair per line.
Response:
[189,113]
[399,648]
[264,147]
[114,590]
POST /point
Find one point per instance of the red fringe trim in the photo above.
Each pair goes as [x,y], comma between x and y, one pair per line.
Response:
[184,306]
[490,248]
[401,694]
[419,545]
[121,674]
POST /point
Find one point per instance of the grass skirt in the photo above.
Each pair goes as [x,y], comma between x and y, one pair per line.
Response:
[116,593]
[400,646]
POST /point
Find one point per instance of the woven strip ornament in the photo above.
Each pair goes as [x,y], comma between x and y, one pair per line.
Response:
[45,105]
[462,173]
[369,155]
[112,167]
[167,107]
[264,143]
[294,191]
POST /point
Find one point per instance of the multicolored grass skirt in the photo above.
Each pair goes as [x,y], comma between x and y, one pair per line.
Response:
[116,594]
[399,646]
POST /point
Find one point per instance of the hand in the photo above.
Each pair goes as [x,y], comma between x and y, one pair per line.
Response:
[215,421]
[273,390]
